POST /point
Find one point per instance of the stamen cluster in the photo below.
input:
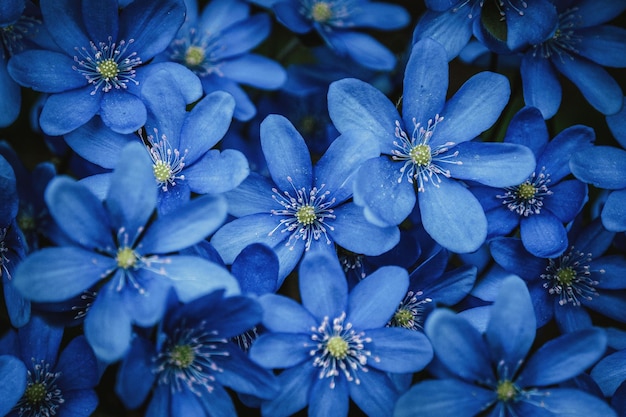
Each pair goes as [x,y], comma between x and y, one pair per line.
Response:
[42,397]
[527,198]
[409,313]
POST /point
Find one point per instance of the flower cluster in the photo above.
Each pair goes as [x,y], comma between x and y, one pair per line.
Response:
[312,208]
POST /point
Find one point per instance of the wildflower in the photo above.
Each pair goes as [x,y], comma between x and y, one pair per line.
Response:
[335,346]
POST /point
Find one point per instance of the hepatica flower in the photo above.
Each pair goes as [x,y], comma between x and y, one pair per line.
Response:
[194,360]
[115,248]
[216,45]
[301,208]
[496,373]
[337,23]
[547,199]
[98,64]
[335,346]
[428,151]
[59,381]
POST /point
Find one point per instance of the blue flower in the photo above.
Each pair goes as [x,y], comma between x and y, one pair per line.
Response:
[58,381]
[302,207]
[11,369]
[335,22]
[99,61]
[429,150]
[112,248]
[216,45]
[195,359]
[585,277]
[580,47]
[547,199]
[495,373]
[605,167]
[335,346]
[179,142]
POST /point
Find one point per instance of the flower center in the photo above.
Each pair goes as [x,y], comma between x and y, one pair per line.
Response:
[107,65]
[570,277]
[506,390]
[403,317]
[410,312]
[185,359]
[126,257]
[340,350]
[167,163]
[304,216]
[565,40]
[194,56]
[527,198]
[42,397]
[421,162]
[13,36]
[321,12]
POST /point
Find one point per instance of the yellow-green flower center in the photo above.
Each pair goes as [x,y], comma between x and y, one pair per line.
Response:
[162,171]
[506,390]
[566,275]
[194,56]
[420,155]
[403,318]
[321,12]
[306,215]
[337,347]
[35,393]
[108,69]
[26,222]
[182,356]
[126,257]
[526,191]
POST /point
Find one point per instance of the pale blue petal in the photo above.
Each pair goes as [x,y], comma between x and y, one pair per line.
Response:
[285,315]
[399,350]
[323,288]
[281,350]
[217,172]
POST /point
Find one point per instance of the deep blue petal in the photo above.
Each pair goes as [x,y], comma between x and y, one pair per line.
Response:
[295,384]
[511,329]
[453,216]
[56,120]
[325,400]
[433,398]
[375,394]
[452,286]
[64,22]
[364,49]
[373,301]
[542,88]
[543,235]
[237,39]
[245,376]
[493,164]
[135,376]
[283,314]
[220,14]
[614,211]
[399,350]
[568,199]
[570,318]
[78,366]
[386,201]
[528,128]
[79,402]
[40,340]
[288,13]
[122,112]
[598,12]
[11,96]
[12,369]
[45,71]
[532,26]
[511,255]
[102,18]
[256,269]
[601,166]
[617,126]
[10,11]
[281,350]
[604,45]
[556,155]
[425,83]
[610,372]
[564,401]
[323,289]
[609,303]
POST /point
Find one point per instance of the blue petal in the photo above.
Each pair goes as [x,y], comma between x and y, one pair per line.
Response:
[386,201]
[286,153]
[160,404]
[295,384]
[452,28]
[473,109]
[598,12]
[192,276]
[459,346]
[254,195]
[79,402]
[433,398]
[166,108]
[10,11]
[146,306]
[64,22]
[452,286]
[373,301]
[323,289]
[511,255]
[493,164]
[604,45]
[207,123]
[244,109]
[610,372]
[71,269]
[151,25]
[255,70]
[245,376]
[135,377]
[617,126]
[187,81]
[281,350]
[355,104]
[256,269]
[40,340]
[453,217]
[543,235]
[78,366]
[594,82]
[564,401]
[288,13]
[350,226]
[528,128]
[569,317]
[238,39]
[188,225]
[285,315]
[107,325]
[336,168]
[425,82]
[87,222]
[122,111]
[102,17]
[399,350]
[532,26]
[326,400]
[56,120]
[220,14]
[601,166]
[511,329]
[45,71]
[11,369]
[609,303]
[542,88]
[11,96]
[556,155]
[375,394]
[380,16]
[568,199]
[217,172]
[614,211]
[362,48]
